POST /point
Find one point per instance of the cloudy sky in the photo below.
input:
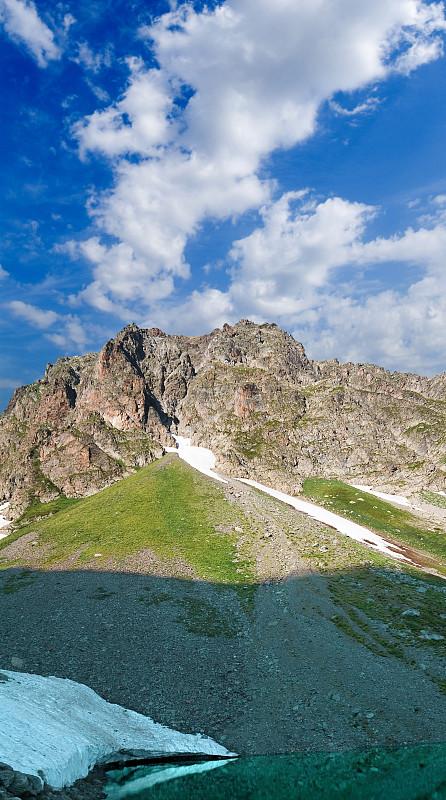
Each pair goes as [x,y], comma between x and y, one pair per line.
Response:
[181,166]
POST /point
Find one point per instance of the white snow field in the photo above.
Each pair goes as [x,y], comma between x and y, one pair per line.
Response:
[200,458]
[204,460]
[58,730]
[3,521]
[346,526]
[399,499]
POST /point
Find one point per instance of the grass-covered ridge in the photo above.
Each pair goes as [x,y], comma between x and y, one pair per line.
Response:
[167,507]
[381,517]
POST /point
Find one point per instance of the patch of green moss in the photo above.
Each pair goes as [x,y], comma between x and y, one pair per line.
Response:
[40,510]
[433,498]
[18,581]
[201,617]
[394,611]
[249,443]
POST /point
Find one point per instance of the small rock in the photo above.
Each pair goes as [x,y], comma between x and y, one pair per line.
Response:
[16,662]
[19,784]
[6,776]
[410,612]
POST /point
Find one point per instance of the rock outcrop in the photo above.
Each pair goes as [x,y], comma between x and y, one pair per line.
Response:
[248,392]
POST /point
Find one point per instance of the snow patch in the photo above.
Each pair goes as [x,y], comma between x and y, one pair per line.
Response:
[3,521]
[389,498]
[204,461]
[345,526]
[200,458]
[58,729]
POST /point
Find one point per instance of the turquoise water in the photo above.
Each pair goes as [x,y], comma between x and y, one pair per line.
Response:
[405,773]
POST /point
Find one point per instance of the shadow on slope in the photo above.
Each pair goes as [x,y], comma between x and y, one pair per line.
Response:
[316,662]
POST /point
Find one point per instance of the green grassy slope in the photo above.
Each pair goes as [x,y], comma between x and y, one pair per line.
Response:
[379,516]
[167,507]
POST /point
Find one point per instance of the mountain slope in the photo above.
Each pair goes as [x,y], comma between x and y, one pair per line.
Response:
[248,392]
[240,617]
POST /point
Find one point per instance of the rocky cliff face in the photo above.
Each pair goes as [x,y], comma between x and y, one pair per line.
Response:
[248,392]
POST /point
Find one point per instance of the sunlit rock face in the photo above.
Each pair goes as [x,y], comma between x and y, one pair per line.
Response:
[247,392]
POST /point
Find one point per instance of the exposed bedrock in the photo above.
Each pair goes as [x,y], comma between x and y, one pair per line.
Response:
[248,392]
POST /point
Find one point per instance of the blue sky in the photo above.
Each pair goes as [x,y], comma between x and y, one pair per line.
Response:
[181,166]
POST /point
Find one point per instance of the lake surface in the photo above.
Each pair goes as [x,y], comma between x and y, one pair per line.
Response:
[405,773]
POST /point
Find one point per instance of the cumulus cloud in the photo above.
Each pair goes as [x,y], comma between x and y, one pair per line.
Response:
[299,253]
[288,269]
[138,123]
[400,330]
[3,273]
[187,138]
[22,22]
[297,248]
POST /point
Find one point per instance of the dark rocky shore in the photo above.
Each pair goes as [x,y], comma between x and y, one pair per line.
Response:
[16,785]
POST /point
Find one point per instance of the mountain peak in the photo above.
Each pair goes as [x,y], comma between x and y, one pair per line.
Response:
[247,391]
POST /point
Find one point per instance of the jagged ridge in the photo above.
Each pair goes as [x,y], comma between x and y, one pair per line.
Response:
[249,392]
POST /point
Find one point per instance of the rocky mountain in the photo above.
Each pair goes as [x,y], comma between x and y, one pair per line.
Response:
[248,392]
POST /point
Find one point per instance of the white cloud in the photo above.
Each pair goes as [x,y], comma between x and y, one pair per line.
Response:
[399,330]
[32,314]
[419,41]
[201,311]
[21,21]
[68,21]
[136,124]
[299,248]
[367,107]
[287,271]
[88,58]
[3,273]
[64,330]
[252,76]
[71,334]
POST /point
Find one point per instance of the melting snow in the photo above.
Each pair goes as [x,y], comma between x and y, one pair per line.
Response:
[3,521]
[199,457]
[58,729]
[389,498]
[204,460]
[345,526]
